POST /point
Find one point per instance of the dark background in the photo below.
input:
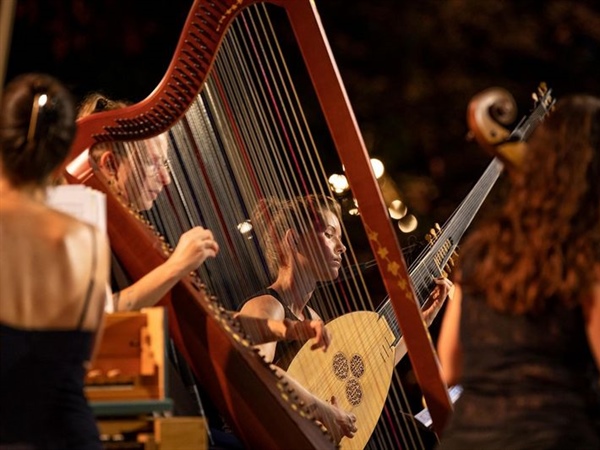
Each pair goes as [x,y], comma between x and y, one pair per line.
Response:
[410,68]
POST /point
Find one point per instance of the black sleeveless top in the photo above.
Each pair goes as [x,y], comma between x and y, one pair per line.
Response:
[528,381]
[42,387]
[285,350]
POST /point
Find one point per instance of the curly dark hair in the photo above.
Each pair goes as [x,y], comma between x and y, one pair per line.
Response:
[544,244]
[37,127]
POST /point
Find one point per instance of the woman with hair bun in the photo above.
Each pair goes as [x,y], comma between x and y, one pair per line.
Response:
[53,277]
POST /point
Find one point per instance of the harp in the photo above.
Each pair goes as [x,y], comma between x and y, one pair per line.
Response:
[239,130]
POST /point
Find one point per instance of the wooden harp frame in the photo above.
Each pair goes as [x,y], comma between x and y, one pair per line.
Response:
[203,32]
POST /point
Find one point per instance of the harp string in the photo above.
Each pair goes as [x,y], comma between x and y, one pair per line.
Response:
[294,115]
[395,422]
[285,118]
[292,99]
[289,132]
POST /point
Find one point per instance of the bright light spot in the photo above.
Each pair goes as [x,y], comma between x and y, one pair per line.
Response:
[397,210]
[408,223]
[245,227]
[354,210]
[338,183]
[378,168]
[42,100]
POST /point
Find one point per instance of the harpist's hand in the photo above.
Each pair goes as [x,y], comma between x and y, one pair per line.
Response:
[193,248]
[338,422]
[307,329]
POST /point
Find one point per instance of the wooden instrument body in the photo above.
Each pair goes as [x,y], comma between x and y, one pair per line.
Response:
[375,337]
[130,363]
[356,369]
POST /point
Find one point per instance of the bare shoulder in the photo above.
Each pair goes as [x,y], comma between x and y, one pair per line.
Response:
[24,217]
[55,257]
[265,306]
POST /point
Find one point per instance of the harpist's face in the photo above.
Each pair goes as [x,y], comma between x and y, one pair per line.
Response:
[143,175]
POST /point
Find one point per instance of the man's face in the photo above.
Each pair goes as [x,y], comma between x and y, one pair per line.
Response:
[143,175]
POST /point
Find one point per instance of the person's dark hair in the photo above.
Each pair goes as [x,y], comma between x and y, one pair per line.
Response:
[546,240]
[273,217]
[37,127]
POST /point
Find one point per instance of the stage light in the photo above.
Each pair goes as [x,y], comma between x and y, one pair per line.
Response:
[378,168]
[245,227]
[408,223]
[353,211]
[397,209]
[338,183]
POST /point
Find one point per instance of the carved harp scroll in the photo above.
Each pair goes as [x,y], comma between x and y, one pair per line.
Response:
[265,416]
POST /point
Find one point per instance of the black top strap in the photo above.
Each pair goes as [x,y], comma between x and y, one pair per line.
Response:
[285,351]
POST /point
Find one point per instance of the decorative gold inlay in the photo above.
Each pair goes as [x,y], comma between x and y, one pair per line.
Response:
[392,267]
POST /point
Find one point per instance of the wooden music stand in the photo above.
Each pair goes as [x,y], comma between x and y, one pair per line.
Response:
[127,385]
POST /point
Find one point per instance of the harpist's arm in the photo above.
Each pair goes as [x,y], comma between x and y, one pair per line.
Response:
[193,248]
[270,330]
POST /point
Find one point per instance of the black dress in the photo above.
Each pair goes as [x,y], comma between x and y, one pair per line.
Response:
[41,389]
[529,382]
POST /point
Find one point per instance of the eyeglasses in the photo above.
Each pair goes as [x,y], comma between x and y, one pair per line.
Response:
[156,168]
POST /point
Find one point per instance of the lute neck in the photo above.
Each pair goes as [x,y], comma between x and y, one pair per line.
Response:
[435,256]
